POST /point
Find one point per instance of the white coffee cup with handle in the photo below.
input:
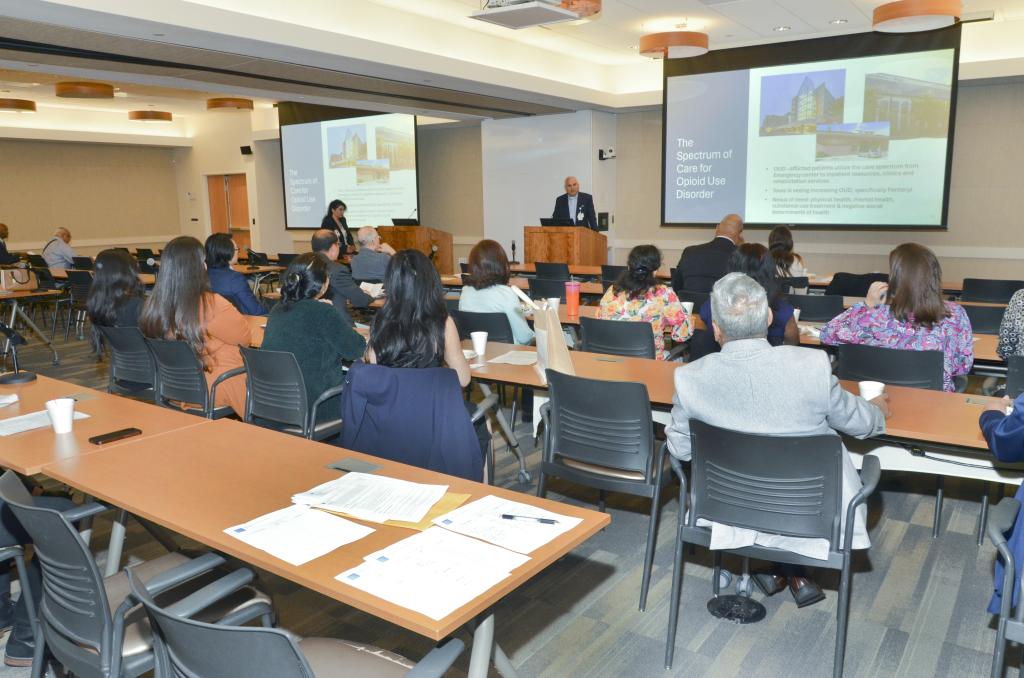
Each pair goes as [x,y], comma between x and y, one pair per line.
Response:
[479,344]
[870,390]
[62,414]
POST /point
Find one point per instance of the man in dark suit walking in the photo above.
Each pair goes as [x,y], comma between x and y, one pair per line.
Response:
[574,206]
[700,266]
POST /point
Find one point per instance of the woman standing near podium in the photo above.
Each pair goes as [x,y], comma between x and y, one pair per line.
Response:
[335,221]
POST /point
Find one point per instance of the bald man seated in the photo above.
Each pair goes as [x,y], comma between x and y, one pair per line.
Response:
[700,266]
[575,207]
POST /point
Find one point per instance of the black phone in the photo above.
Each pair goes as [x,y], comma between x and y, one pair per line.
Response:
[121,434]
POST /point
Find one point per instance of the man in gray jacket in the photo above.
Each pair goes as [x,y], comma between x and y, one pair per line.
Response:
[756,388]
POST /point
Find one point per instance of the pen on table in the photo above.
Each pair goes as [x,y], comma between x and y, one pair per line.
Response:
[546,521]
[609,360]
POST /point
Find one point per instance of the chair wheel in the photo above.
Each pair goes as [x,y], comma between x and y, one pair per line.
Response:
[745,586]
[56,362]
[724,579]
[524,477]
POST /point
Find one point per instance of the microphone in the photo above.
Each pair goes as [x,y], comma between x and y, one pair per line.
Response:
[433,252]
[514,253]
[15,340]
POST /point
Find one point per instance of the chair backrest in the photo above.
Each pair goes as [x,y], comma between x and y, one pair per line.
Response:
[611,273]
[179,374]
[130,360]
[284,259]
[37,261]
[617,337]
[985,319]
[789,284]
[993,291]
[496,325]
[256,258]
[276,390]
[816,307]
[607,423]
[146,267]
[83,263]
[44,278]
[897,367]
[143,253]
[552,271]
[185,647]
[1015,376]
[698,298]
[788,485]
[853,284]
[74,613]
[79,283]
[463,267]
[544,288]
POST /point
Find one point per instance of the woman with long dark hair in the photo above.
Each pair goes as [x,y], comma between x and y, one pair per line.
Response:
[183,308]
[115,298]
[788,263]
[335,221]
[910,314]
[305,324]
[487,289]
[638,296]
[221,253]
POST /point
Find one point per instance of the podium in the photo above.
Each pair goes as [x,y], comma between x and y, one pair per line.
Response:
[573,245]
[423,239]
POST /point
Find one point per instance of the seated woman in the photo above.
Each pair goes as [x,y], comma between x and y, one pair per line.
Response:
[754,260]
[788,264]
[221,253]
[182,307]
[487,290]
[1011,329]
[909,314]
[305,324]
[638,296]
[116,295]
[1005,436]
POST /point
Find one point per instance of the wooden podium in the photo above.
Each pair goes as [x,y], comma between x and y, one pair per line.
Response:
[423,239]
[577,245]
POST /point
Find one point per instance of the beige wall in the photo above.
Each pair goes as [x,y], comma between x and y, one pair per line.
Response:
[104,194]
[451,183]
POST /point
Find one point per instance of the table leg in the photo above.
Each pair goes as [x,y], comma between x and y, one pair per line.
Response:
[485,650]
[117,529]
[16,311]
[524,475]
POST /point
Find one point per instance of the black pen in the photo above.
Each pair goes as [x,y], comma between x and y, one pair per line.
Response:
[546,521]
[609,360]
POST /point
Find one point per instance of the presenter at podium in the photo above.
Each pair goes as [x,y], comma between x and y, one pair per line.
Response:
[574,207]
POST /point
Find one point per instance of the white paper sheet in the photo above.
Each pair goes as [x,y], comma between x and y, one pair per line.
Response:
[483,519]
[375,290]
[298,534]
[9,399]
[374,498]
[30,421]
[516,358]
[434,572]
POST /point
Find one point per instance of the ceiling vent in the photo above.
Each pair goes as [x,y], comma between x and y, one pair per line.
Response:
[517,14]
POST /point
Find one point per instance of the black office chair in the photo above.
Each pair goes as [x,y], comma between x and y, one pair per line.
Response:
[37,261]
[985,319]
[284,259]
[611,273]
[187,647]
[46,281]
[83,263]
[1010,626]
[544,288]
[496,325]
[988,290]
[277,393]
[551,271]
[600,434]
[896,367]
[788,485]
[1015,376]
[143,253]
[132,371]
[816,307]
[790,285]
[463,267]
[181,382]
[78,286]
[617,337]
[256,258]
[853,284]
[146,267]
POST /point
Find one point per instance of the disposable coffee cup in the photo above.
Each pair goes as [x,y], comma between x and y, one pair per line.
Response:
[688,307]
[796,314]
[62,414]
[553,302]
[870,389]
[479,343]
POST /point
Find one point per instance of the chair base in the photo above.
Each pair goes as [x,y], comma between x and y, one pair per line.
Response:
[738,609]
[21,377]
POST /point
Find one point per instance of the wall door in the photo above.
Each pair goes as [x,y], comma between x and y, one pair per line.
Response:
[229,207]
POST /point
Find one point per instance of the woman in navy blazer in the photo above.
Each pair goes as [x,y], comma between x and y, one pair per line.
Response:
[1005,436]
[221,252]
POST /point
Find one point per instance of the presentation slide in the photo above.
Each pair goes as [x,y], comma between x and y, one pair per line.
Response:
[369,163]
[850,142]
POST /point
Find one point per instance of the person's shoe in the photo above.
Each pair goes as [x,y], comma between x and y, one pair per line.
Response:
[770,584]
[805,592]
[6,613]
[21,647]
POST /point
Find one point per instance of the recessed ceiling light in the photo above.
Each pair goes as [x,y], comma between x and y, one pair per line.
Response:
[781,29]
[838,22]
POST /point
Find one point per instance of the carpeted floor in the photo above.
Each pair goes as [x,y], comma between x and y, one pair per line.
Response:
[918,604]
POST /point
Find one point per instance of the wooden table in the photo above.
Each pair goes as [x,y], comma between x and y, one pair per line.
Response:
[954,287]
[62,274]
[581,270]
[160,480]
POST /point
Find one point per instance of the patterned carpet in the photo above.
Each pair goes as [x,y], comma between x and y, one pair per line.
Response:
[918,604]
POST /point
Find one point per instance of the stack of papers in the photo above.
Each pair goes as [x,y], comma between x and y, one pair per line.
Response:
[516,358]
[30,421]
[298,534]
[528,528]
[375,290]
[374,498]
[434,572]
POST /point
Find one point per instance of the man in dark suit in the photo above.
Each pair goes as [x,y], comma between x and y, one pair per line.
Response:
[5,256]
[574,206]
[700,266]
[341,288]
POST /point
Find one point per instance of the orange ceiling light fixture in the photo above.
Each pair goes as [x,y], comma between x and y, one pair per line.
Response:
[17,106]
[583,8]
[674,44]
[228,104]
[913,16]
[150,116]
[84,90]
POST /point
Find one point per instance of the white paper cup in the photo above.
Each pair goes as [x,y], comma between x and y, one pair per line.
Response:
[479,343]
[553,302]
[870,389]
[62,414]
[796,314]
[688,307]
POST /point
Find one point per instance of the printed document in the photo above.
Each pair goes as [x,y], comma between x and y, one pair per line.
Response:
[523,533]
[374,497]
[298,534]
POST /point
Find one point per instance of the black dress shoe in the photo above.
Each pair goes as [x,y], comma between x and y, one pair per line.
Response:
[769,583]
[805,592]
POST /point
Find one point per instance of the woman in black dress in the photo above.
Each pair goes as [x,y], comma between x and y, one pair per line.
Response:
[335,221]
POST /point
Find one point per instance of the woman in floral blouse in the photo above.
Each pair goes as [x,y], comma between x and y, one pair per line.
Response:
[909,314]
[1011,330]
[638,296]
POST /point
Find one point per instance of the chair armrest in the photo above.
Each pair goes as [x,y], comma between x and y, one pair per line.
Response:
[483,406]
[677,468]
[211,593]
[1000,519]
[178,575]
[438,660]
[547,454]
[320,400]
[86,510]
[216,382]
[870,473]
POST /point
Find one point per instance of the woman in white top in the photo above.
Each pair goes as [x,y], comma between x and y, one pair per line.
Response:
[486,288]
[788,263]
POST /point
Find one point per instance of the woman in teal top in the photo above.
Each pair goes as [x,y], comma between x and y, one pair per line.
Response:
[307,326]
[487,290]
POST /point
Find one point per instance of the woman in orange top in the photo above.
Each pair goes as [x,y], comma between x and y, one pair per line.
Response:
[182,307]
